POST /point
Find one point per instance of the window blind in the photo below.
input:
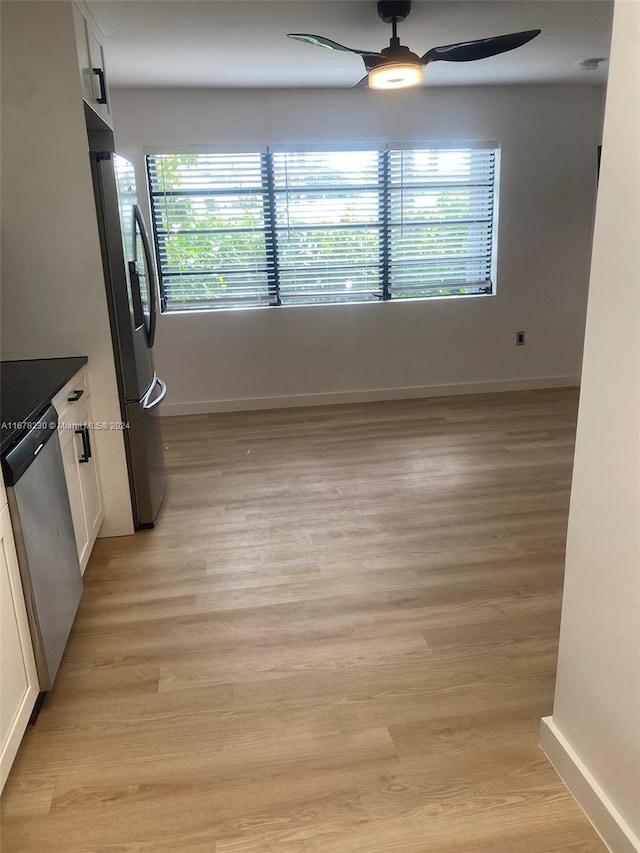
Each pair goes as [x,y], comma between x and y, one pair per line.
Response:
[327,219]
[440,221]
[213,248]
[306,227]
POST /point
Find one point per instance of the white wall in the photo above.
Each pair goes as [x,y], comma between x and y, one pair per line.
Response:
[53,294]
[260,357]
[593,737]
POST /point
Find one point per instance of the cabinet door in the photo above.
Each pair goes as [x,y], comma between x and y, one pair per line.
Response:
[82,47]
[70,458]
[73,404]
[90,488]
[83,478]
[91,62]
[18,676]
[96,57]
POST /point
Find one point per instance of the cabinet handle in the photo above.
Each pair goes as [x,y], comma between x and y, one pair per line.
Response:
[73,398]
[103,89]
[86,443]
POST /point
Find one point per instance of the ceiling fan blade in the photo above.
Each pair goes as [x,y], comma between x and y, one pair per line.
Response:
[468,51]
[321,41]
[361,84]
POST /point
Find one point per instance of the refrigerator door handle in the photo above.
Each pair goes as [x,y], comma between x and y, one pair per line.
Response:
[148,263]
[147,403]
[138,311]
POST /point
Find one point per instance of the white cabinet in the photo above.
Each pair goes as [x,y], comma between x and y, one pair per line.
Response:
[73,405]
[90,489]
[68,446]
[91,63]
[18,676]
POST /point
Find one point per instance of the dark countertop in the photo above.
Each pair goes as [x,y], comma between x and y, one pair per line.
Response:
[26,389]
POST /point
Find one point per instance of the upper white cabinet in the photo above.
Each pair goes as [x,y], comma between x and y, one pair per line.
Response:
[18,675]
[93,75]
[73,405]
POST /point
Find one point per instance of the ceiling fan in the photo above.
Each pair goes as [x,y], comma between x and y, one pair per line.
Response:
[396,67]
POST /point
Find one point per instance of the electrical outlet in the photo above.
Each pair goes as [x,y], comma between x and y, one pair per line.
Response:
[519,339]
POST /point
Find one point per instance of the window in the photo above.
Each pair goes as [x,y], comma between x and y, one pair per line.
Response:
[308,227]
[327,221]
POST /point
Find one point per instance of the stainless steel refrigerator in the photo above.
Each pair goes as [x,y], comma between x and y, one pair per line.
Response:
[133,308]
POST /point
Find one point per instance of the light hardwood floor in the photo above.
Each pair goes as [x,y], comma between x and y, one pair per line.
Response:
[340,637]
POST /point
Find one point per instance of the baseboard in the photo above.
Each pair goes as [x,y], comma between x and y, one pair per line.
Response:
[202,407]
[606,820]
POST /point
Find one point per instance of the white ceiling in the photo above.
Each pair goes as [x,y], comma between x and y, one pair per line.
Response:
[208,43]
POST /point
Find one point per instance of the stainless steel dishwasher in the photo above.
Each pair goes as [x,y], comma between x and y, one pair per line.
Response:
[43,531]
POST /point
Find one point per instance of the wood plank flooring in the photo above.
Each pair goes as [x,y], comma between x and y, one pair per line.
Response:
[340,638]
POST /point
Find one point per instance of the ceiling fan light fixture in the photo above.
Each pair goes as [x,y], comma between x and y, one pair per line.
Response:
[396,75]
